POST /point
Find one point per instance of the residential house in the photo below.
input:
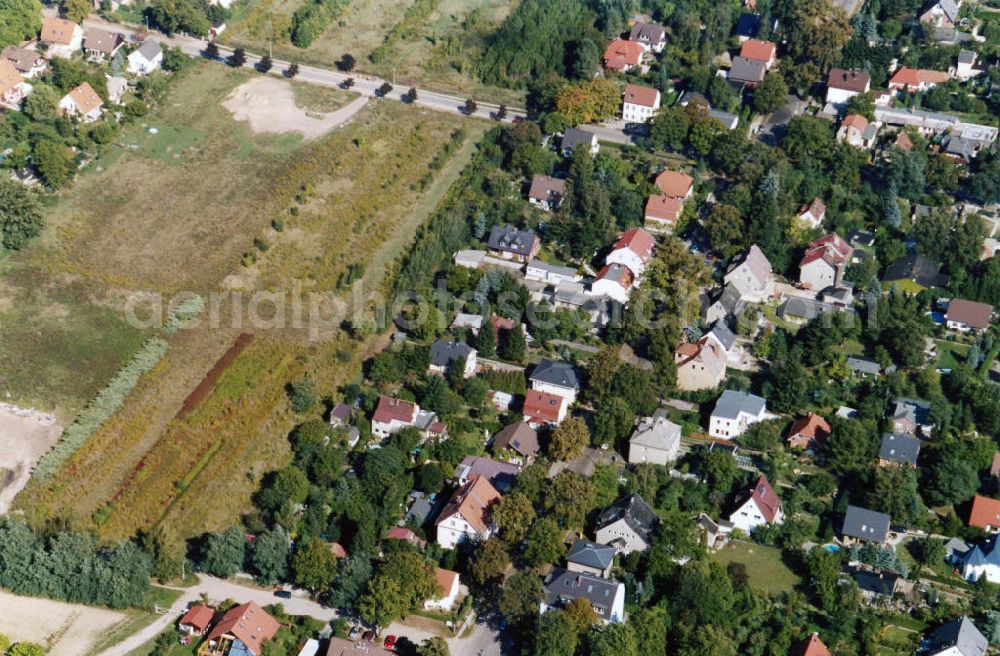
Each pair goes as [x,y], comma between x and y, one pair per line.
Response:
[606,597]
[982,561]
[968,316]
[82,102]
[544,408]
[101,44]
[824,262]
[842,85]
[639,103]
[802,310]
[716,533]
[446,354]
[751,275]
[898,450]
[747,72]
[13,88]
[241,631]
[811,646]
[959,637]
[915,80]
[509,243]
[29,63]
[728,120]
[613,281]
[196,620]
[855,130]
[925,122]
[623,56]
[634,249]
[449,583]
[675,184]
[60,37]
[722,304]
[748,26]
[649,35]
[573,137]
[813,213]
[419,510]
[912,416]
[146,58]
[117,86]
[392,415]
[662,212]
[550,273]
[723,337]
[757,506]
[590,558]
[340,415]
[985,514]
[627,525]
[546,192]
[809,432]
[501,475]
[918,269]
[965,65]
[876,585]
[761,51]
[903,142]
[700,365]
[466,516]
[735,412]
[860,239]
[518,437]
[403,534]
[941,13]
[555,377]
[863,525]
[863,367]
[656,439]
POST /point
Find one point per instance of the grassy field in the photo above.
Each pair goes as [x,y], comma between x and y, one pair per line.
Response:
[765,567]
[950,354]
[362,203]
[437,53]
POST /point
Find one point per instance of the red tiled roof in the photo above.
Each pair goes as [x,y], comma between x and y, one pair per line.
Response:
[765,497]
[198,617]
[638,95]
[913,77]
[811,646]
[85,98]
[811,427]
[638,241]
[831,249]
[674,183]
[664,207]
[985,512]
[249,623]
[904,142]
[848,80]
[855,121]
[472,501]
[390,408]
[445,580]
[757,50]
[542,406]
[58,30]
[621,53]
[971,313]
[816,207]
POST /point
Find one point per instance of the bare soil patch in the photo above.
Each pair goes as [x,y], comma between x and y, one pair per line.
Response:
[24,437]
[268,105]
[65,629]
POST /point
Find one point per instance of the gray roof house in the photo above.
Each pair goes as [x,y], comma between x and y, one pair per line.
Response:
[734,412]
[898,449]
[627,524]
[656,440]
[507,241]
[911,416]
[419,511]
[916,268]
[863,366]
[519,437]
[572,137]
[959,637]
[747,71]
[865,525]
[606,597]
[556,377]
[501,475]
[804,309]
[446,353]
[982,560]
[721,304]
[590,558]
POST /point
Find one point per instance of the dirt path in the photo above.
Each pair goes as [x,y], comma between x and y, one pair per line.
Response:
[268,104]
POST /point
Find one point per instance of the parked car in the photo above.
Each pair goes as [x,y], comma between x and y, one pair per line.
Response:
[390,642]
[283,594]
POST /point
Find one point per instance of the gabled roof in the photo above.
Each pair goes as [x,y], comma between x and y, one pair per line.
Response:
[542,406]
[509,239]
[985,512]
[707,353]
[640,95]
[878,582]
[23,59]
[85,98]
[555,372]
[960,634]
[856,121]
[446,579]
[443,353]
[390,408]
[918,268]
[199,617]
[848,80]
[591,554]
[101,40]
[970,313]
[471,501]
[805,308]
[574,136]
[811,646]
[646,32]
[674,183]
[757,50]
[562,586]
[900,448]
[816,207]
[732,403]
[830,248]
[903,142]
[765,498]
[986,553]
[721,332]
[948,7]
[914,77]
[635,512]
[621,54]
[638,241]
[747,70]
[149,49]
[862,364]
[656,433]
[519,437]
[812,426]
[661,206]
[756,261]
[913,410]
[249,624]
[9,76]
[501,475]
[58,30]
[866,524]
[547,188]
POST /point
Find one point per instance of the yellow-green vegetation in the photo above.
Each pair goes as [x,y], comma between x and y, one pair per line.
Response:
[432,44]
[765,566]
[314,98]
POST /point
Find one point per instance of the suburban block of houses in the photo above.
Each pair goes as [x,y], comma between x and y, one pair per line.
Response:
[857,131]
[241,631]
[546,192]
[812,213]
[700,365]
[649,35]
[447,354]
[392,415]
[842,85]
[898,450]
[146,58]
[985,514]
[959,637]
[623,55]
[824,262]
[808,432]
[912,416]
[555,377]
[13,88]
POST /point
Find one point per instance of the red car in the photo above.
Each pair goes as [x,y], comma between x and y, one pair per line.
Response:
[368,636]
[390,642]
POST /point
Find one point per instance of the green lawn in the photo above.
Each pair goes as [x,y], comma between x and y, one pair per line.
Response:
[950,354]
[765,566]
